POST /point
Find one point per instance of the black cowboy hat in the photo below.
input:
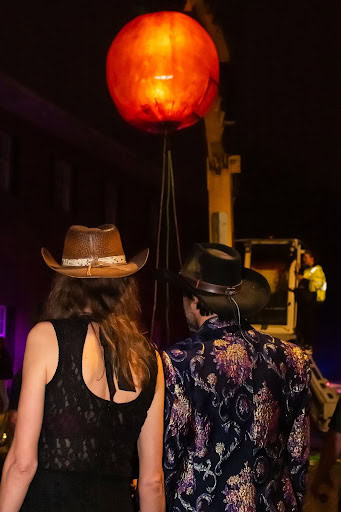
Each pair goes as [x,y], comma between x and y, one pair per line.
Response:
[213,273]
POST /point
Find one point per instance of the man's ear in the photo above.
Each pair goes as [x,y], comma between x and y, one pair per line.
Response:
[195,304]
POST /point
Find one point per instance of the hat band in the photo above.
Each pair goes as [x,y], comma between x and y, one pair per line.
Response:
[209,287]
[85,262]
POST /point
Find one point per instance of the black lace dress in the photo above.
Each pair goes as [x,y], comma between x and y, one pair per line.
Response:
[87,443]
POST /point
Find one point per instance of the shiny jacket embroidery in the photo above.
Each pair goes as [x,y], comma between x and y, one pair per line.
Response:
[237,422]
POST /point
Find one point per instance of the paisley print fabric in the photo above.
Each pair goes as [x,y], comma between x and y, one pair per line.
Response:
[237,422]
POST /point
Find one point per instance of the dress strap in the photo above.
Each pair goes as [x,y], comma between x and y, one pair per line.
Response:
[123,384]
[71,334]
[108,369]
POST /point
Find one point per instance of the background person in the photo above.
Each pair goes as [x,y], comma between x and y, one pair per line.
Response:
[310,294]
[92,387]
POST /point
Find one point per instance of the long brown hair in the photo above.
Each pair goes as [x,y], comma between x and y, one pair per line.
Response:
[115,307]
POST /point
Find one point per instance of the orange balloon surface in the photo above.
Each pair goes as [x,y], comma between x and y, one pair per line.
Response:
[162,71]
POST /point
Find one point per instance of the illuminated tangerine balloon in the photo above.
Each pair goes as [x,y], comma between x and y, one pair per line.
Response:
[162,71]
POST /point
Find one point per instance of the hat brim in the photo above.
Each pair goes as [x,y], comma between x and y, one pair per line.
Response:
[251,296]
[111,271]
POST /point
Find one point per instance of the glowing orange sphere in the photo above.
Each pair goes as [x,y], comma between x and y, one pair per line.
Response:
[162,71]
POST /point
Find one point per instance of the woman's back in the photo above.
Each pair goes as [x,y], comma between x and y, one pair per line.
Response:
[85,436]
[78,426]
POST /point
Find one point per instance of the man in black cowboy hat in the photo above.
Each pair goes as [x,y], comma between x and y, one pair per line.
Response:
[237,400]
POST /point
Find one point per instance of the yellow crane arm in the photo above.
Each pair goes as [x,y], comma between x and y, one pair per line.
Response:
[220,166]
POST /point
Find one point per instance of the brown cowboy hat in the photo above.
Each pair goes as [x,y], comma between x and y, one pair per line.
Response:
[95,252]
[214,273]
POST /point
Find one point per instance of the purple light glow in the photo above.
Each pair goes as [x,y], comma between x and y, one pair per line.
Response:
[3,313]
[23,325]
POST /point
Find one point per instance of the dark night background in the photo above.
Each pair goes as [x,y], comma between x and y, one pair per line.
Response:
[280,87]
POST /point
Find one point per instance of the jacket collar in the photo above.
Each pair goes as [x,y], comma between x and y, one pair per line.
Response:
[215,327]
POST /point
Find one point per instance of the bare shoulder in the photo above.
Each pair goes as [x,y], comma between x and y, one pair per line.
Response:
[158,359]
[160,376]
[41,353]
[41,336]
[296,358]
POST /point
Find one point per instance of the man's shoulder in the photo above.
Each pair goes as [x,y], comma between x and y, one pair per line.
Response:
[180,351]
[264,338]
[180,354]
[277,350]
[287,353]
[313,270]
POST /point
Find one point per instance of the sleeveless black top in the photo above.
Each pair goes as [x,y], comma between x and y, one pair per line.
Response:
[81,433]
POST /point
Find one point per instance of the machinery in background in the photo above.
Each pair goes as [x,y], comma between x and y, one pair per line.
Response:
[325,397]
[278,260]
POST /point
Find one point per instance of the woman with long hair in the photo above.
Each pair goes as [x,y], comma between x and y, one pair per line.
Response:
[92,389]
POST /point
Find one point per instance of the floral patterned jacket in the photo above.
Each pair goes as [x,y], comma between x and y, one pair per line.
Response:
[237,422]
